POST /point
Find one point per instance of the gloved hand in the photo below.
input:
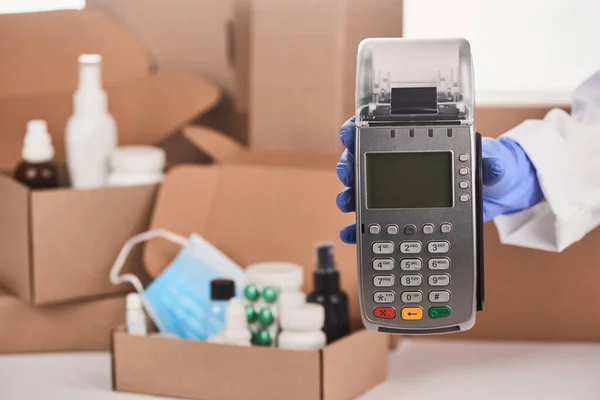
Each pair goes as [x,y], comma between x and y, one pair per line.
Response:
[510,182]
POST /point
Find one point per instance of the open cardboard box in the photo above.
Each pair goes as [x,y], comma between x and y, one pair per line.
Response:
[205,371]
[254,206]
[59,245]
[81,326]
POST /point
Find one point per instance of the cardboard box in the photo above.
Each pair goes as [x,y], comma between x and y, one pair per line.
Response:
[182,35]
[148,105]
[83,326]
[204,371]
[59,245]
[302,67]
[254,206]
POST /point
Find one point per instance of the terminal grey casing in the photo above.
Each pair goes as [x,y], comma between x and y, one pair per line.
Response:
[465,218]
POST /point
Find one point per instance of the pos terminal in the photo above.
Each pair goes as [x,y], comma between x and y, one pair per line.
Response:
[418,187]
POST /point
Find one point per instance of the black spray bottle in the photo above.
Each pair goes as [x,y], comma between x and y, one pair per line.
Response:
[327,293]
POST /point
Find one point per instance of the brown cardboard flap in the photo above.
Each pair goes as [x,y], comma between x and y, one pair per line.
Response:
[182,35]
[200,370]
[147,110]
[81,215]
[217,145]
[354,364]
[226,150]
[255,213]
[14,236]
[81,326]
[53,41]
[185,200]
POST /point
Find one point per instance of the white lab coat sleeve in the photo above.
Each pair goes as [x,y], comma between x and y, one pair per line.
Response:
[565,150]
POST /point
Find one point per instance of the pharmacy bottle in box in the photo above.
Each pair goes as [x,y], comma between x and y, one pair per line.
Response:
[37,170]
[91,133]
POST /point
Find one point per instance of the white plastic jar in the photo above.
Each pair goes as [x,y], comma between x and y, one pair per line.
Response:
[302,328]
[136,165]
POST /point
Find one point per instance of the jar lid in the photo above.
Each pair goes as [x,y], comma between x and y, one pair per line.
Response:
[137,159]
[308,317]
[283,275]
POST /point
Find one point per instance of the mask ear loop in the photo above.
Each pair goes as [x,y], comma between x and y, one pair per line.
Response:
[117,279]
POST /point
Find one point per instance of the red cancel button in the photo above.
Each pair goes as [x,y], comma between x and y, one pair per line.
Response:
[385,312]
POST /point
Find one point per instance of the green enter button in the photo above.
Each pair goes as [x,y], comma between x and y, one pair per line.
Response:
[439,312]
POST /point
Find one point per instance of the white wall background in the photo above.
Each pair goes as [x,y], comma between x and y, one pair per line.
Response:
[524,51]
[18,6]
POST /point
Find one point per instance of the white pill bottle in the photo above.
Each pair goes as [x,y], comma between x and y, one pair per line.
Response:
[91,133]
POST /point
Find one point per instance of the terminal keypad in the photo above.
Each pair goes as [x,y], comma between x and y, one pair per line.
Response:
[410,272]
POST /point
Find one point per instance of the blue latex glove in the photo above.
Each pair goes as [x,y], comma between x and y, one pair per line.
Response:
[510,182]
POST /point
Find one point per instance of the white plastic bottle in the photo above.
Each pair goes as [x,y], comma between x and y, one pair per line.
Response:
[236,326]
[302,328]
[91,133]
[135,318]
[236,330]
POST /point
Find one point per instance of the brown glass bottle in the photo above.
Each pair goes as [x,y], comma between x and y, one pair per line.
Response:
[44,175]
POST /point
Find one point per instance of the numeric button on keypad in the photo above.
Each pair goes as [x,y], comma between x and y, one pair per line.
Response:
[439,280]
[383,264]
[383,280]
[412,297]
[384,297]
[411,280]
[383,247]
[440,296]
[438,247]
[410,264]
[438,263]
[410,247]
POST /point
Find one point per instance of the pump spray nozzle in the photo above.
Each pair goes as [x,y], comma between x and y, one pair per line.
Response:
[326,276]
[90,96]
[325,257]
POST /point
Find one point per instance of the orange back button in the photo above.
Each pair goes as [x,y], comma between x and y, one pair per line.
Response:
[412,313]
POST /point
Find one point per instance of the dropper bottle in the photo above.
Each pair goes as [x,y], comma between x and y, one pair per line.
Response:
[91,133]
[37,170]
[327,293]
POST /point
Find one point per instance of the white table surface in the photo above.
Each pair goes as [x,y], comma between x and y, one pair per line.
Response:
[419,370]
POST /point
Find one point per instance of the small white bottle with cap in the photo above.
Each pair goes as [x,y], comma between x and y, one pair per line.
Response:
[302,328]
[136,165]
[91,133]
[236,330]
[37,170]
[135,318]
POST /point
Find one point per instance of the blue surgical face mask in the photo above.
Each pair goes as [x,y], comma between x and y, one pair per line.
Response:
[176,300]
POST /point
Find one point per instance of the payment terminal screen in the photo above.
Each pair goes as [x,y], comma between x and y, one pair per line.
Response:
[409,180]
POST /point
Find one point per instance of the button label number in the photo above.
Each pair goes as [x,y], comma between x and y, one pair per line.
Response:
[410,247]
[410,264]
[439,280]
[438,247]
[383,264]
[411,280]
[438,263]
[383,247]
[383,280]
[384,297]
[412,297]
[442,296]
